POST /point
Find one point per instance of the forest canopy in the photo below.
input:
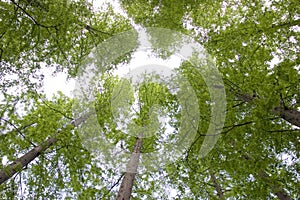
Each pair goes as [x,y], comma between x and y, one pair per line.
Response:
[227,128]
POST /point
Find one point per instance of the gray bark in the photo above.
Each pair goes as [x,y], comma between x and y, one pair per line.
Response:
[276,188]
[217,186]
[128,179]
[292,116]
[24,160]
[288,114]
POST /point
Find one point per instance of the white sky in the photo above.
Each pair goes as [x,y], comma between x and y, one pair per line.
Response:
[53,84]
[140,58]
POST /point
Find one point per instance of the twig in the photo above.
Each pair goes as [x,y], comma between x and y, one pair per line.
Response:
[18,130]
[116,183]
[32,18]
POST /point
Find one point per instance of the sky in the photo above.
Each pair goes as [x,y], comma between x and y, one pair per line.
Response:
[59,82]
[53,84]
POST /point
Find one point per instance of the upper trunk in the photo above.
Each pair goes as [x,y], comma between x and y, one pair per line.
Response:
[217,186]
[131,170]
[288,114]
[292,116]
[275,187]
[24,160]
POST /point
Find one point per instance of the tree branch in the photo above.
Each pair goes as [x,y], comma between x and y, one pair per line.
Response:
[13,168]
[18,130]
[31,17]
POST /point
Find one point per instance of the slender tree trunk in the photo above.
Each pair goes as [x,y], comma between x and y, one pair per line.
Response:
[282,195]
[131,170]
[24,160]
[217,186]
[276,188]
[292,116]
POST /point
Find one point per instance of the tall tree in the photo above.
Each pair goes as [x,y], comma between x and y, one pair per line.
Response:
[256,48]
[56,36]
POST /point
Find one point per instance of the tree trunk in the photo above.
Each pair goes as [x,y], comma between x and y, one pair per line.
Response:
[282,195]
[288,114]
[276,188]
[292,116]
[217,186]
[24,160]
[131,170]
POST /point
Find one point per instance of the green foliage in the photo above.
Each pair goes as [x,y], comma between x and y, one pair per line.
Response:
[255,45]
[56,35]
[245,38]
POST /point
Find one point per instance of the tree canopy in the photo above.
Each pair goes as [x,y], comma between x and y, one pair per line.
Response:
[70,148]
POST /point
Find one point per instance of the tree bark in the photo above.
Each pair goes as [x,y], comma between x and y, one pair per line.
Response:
[292,116]
[276,189]
[217,186]
[24,160]
[131,170]
[282,195]
[288,114]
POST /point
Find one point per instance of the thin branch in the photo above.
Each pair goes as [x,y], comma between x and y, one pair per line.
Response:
[1,52]
[280,131]
[18,130]
[287,24]
[31,17]
[92,30]
[234,126]
[58,111]
[2,34]
[114,185]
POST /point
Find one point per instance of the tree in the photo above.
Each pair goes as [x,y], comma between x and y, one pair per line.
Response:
[257,155]
[65,136]
[56,35]
[245,38]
